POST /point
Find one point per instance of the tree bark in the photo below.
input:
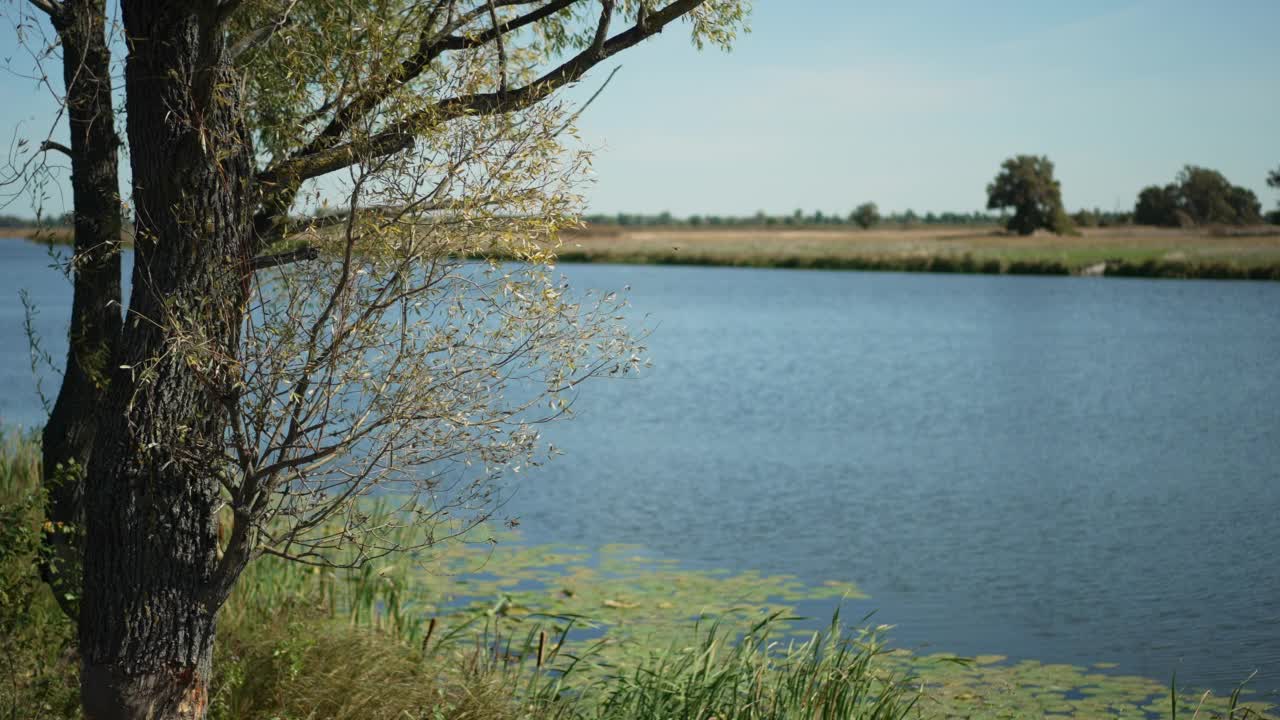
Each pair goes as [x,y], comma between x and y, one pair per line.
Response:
[151,573]
[95,310]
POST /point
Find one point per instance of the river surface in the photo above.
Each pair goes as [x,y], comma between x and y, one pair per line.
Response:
[1073,470]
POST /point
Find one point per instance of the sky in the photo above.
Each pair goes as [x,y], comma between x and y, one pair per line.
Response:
[913,104]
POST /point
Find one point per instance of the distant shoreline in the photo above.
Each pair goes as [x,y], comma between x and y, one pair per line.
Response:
[1124,251]
[40,235]
[961,265]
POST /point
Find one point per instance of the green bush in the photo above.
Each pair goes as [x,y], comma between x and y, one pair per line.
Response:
[39,675]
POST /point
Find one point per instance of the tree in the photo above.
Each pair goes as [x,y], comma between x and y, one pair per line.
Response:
[1157,206]
[1198,196]
[1210,198]
[1087,218]
[866,215]
[1273,180]
[1026,184]
[95,324]
[271,372]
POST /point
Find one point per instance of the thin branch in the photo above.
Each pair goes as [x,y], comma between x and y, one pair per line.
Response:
[259,37]
[602,28]
[55,146]
[578,113]
[262,262]
[49,7]
[502,50]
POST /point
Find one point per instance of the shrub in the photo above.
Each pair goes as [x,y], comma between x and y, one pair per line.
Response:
[39,675]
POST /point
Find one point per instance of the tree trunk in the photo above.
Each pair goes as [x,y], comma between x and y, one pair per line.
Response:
[95,310]
[151,575]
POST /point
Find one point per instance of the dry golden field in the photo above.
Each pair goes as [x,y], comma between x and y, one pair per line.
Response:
[836,247]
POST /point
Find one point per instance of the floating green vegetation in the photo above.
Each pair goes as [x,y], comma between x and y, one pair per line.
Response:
[989,687]
[618,595]
[613,608]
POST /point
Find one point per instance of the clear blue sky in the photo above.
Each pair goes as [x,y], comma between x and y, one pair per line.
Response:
[914,103]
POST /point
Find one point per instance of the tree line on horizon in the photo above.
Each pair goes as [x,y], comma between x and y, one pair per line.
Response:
[1025,184]
[1197,196]
[865,215]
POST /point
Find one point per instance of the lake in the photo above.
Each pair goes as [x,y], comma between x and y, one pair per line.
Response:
[1074,470]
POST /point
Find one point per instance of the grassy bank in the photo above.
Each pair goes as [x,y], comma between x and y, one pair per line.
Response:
[1124,251]
[296,642]
[1130,251]
[517,632]
[44,235]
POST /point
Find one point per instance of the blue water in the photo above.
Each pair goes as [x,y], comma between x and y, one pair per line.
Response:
[1068,469]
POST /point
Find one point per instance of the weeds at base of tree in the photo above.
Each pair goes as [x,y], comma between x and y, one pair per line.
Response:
[295,644]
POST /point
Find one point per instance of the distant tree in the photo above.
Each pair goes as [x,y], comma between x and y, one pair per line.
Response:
[909,217]
[1026,184]
[1086,218]
[1208,197]
[1273,180]
[866,215]
[1198,196]
[1157,206]
[1245,204]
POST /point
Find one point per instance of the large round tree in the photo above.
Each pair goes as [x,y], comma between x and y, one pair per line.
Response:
[1026,184]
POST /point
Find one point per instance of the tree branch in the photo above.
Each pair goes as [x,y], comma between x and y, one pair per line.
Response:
[260,36]
[430,46]
[400,136]
[602,28]
[48,7]
[280,182]
[263,262]
[502,50]
[56,146]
